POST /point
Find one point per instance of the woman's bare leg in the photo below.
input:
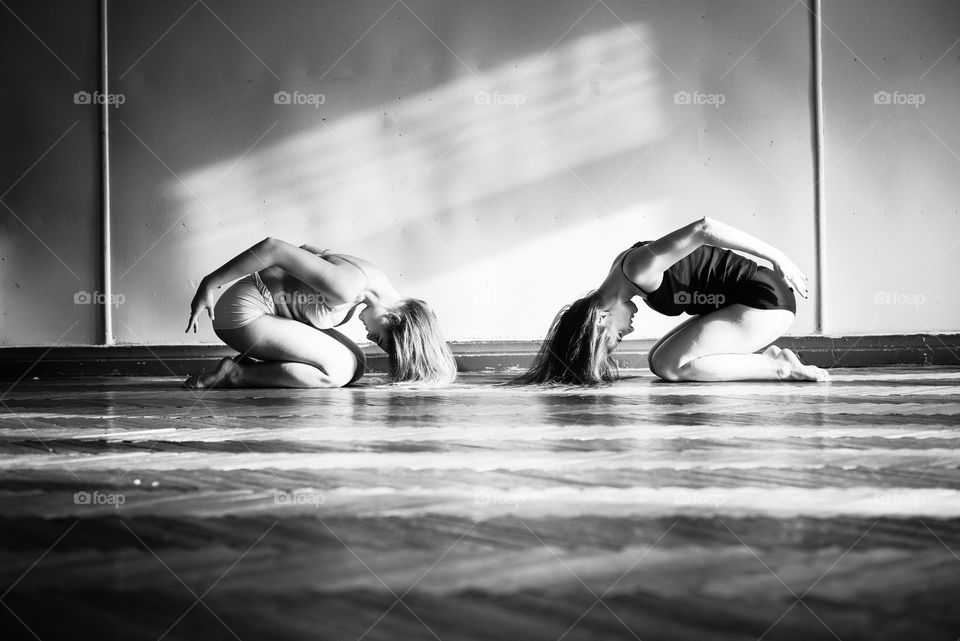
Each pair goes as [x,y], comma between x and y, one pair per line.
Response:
[236,372]
[720,346]
[293,354]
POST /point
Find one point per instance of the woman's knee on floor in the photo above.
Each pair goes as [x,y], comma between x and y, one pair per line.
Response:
[310,376]
[663,365]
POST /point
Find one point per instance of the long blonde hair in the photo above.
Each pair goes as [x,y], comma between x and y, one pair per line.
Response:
[417,351]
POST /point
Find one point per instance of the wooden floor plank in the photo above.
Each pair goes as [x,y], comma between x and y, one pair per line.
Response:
[696,511]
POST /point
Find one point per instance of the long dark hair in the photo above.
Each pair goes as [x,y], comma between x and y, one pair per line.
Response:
[575,350]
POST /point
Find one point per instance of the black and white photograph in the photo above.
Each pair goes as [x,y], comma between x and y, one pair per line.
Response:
[479,320]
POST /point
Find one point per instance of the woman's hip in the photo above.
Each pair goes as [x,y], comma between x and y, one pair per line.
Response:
[242,303]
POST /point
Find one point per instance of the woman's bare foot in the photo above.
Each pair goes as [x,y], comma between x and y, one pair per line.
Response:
[794,370]
[224,375]
[773,351]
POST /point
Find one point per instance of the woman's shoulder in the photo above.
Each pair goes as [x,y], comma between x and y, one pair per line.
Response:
[635,269]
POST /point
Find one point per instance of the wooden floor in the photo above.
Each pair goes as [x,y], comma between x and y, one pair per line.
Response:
[132,509]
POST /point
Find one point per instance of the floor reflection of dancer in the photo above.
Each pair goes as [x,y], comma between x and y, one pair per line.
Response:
[738,307]
[283,312]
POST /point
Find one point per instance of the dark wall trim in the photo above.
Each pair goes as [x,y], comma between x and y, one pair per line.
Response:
[181,360]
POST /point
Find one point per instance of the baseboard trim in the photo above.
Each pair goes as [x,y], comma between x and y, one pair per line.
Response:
[486,356]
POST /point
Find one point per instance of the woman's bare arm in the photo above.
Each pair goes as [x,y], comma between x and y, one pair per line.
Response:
[254,259]
[645,266]
[722,235]
[337,281]
[251,260]
[341,282]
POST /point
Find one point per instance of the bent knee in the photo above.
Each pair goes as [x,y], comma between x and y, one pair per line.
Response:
[663,366]
[339,373]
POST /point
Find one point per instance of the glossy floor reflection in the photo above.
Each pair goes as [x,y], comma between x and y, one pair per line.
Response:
[132,509]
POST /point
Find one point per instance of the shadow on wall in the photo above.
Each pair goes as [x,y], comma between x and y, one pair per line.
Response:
[446,170]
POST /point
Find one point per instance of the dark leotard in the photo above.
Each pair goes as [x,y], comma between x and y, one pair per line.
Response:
[710,278]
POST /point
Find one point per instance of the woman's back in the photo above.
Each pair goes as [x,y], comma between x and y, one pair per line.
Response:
[700,282]
[296,300]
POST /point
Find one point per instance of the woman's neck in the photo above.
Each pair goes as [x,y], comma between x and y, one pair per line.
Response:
[384,294]
[611,295]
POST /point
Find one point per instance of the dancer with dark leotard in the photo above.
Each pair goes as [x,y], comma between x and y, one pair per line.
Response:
[737,308]
[283,312]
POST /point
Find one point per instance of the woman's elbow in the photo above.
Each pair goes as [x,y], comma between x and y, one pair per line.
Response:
[267,250]
[703,229]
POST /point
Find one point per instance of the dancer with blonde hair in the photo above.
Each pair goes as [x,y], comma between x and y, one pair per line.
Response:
[285,307]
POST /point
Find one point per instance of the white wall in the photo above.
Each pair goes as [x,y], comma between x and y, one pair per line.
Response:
[500,213]
[893,198]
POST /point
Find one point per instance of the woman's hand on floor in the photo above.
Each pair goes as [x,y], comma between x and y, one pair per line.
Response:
[202,300]
[791,274]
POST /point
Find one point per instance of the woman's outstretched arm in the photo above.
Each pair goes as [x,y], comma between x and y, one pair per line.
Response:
[722,235]
[251,260]
[257,257]
[646,265]
[326,277]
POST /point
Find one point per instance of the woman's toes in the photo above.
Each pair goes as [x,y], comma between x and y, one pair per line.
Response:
[797,371]
[818,374]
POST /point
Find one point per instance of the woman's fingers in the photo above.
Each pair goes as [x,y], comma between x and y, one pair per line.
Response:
[194,317]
